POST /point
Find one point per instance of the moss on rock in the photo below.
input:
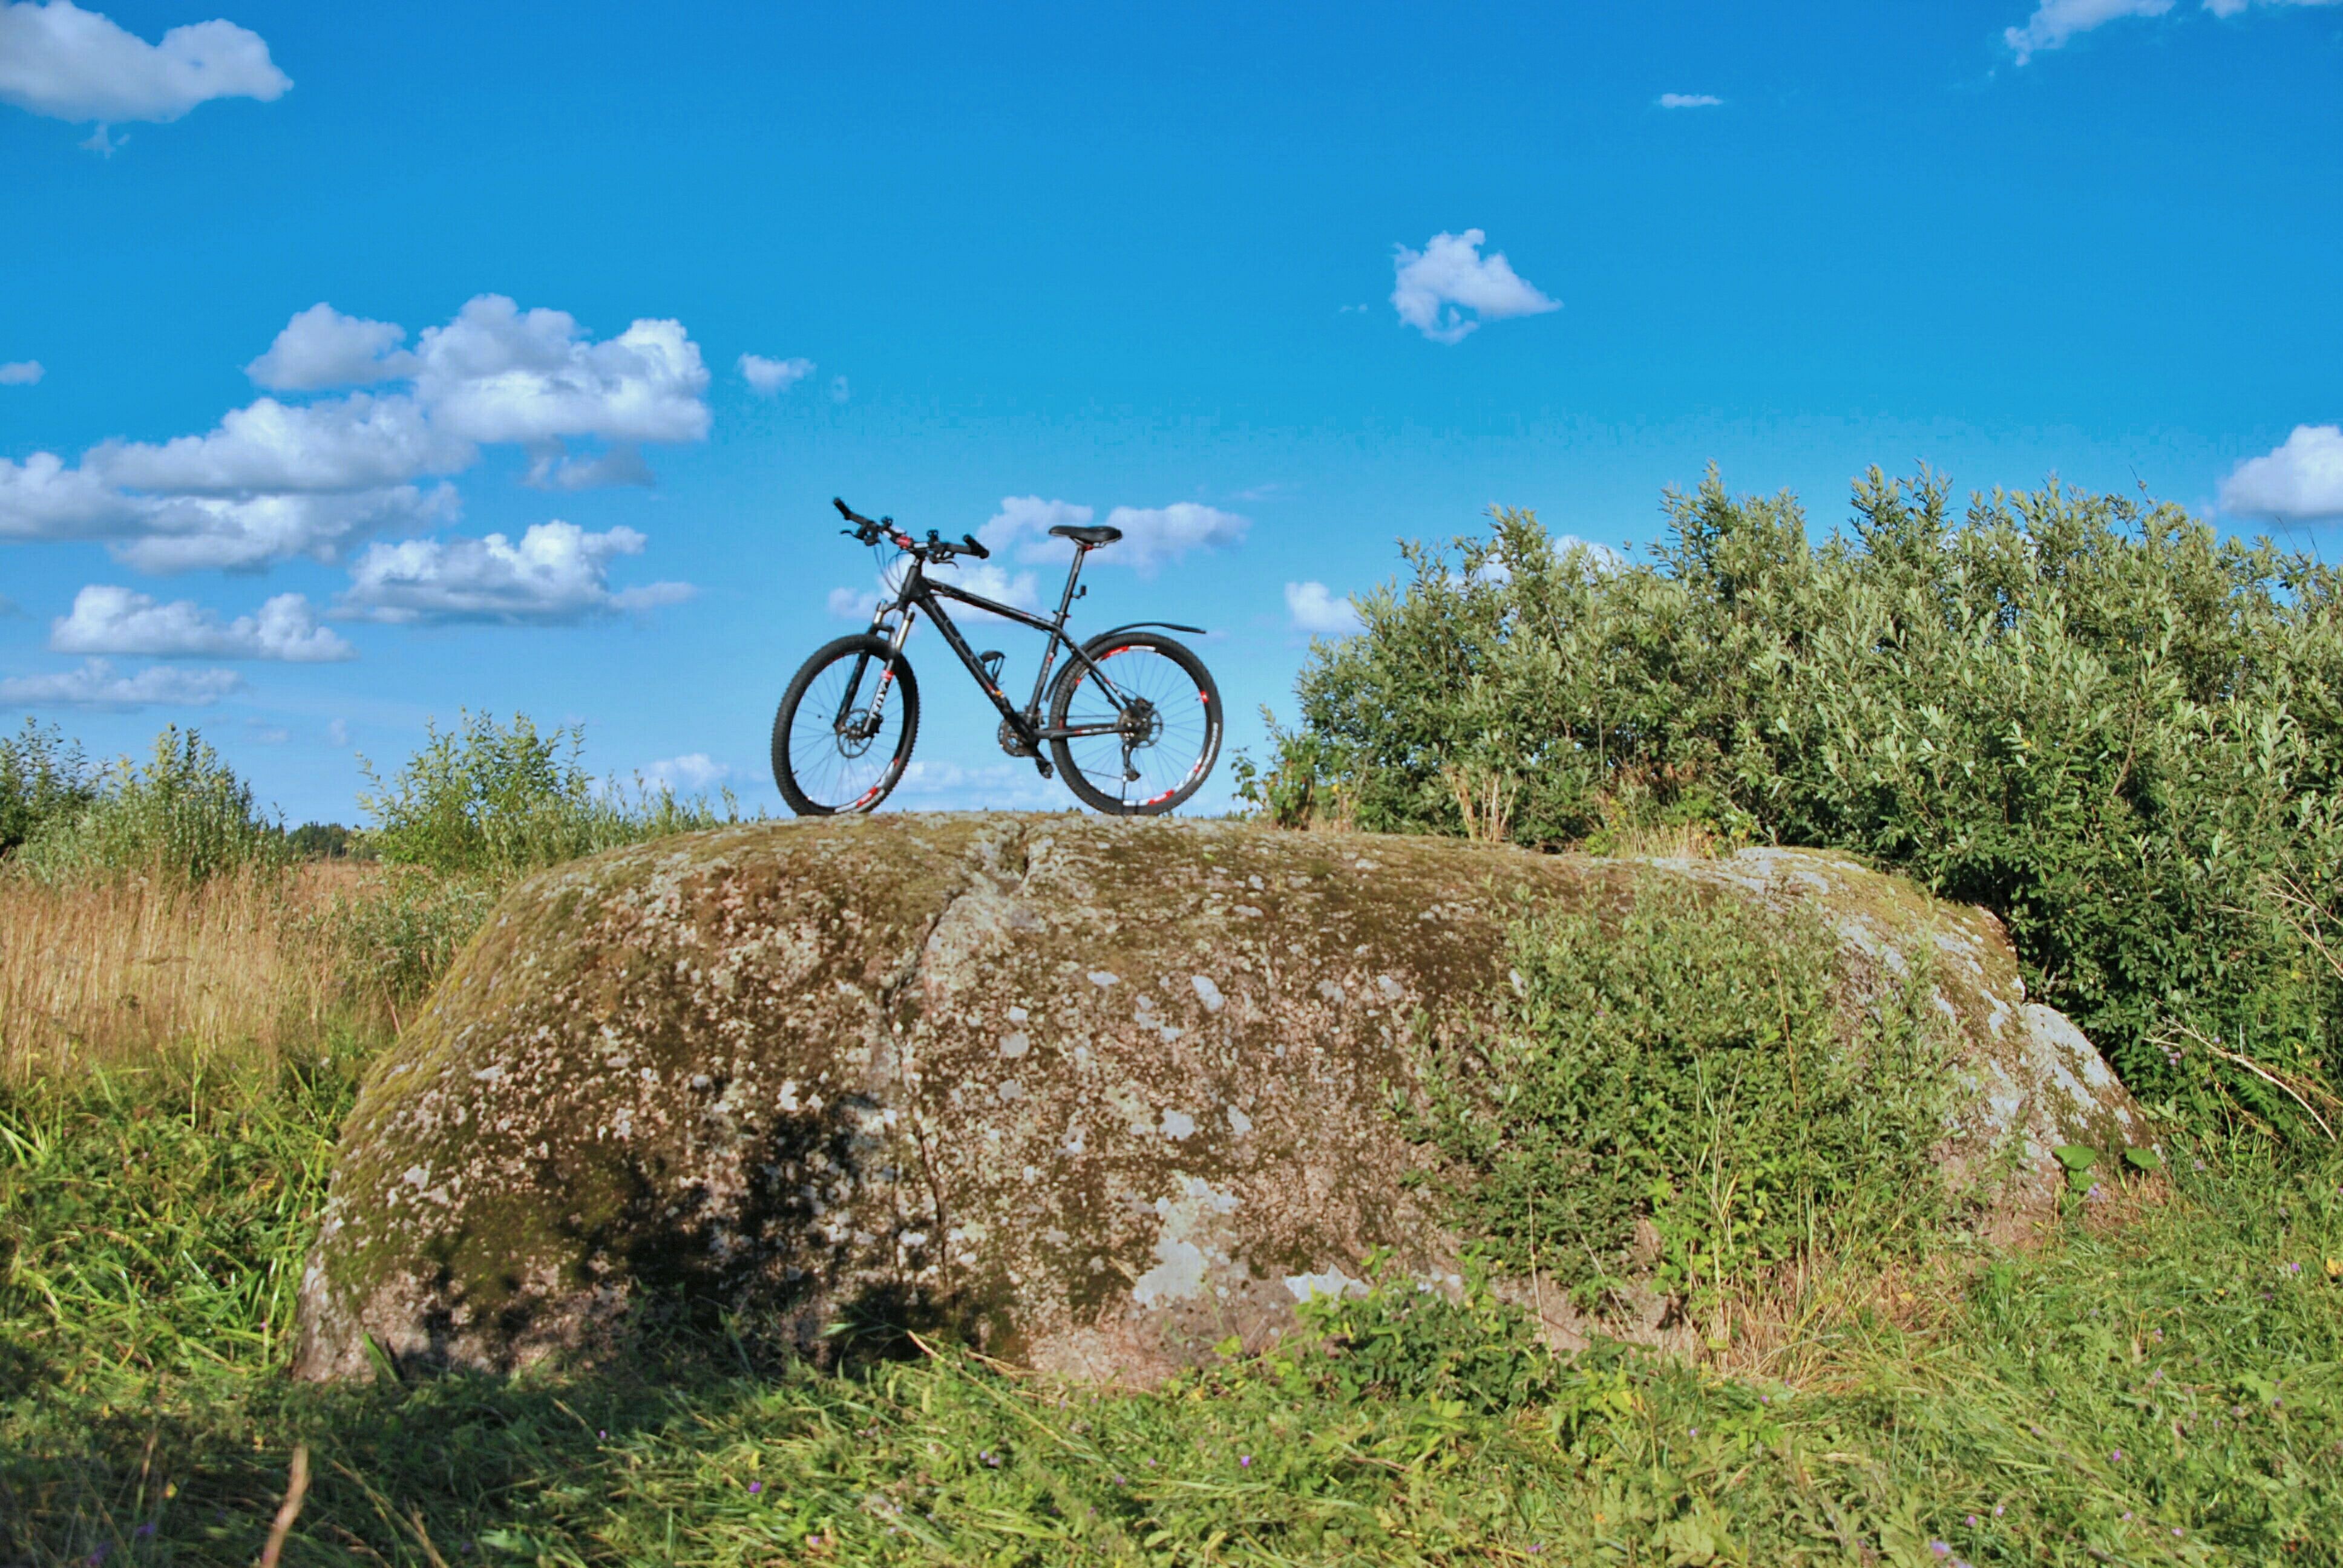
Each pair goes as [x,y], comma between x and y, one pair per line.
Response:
[1097,1093]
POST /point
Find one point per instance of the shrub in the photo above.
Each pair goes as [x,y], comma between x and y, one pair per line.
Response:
[1688,1069]
[43,781]
[485,799]
[2090,714]
[184,815]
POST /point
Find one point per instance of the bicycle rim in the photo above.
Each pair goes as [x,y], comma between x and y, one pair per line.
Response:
[1180,740]
[837,759]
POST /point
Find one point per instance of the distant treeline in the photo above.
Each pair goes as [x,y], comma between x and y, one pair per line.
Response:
[2091,714]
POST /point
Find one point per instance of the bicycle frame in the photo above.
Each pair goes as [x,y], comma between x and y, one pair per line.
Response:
[919,593]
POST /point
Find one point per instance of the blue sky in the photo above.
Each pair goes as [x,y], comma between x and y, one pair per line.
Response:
[1212,264]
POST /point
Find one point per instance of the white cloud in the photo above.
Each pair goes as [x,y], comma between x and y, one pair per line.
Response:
[694,772]
[557,573]
[277,478]
[773,377]
[2301,481]
[115,620]
[1316,610]
[95,685]
[989,786]
[853,604]
[619,464]
[839,390]
[337,732]
[2233,7]
[994,582]
[21,373]
[2055,21]
[359,442]
[69,63]
[1023,524]
[1152,536]
[322,347]
[499,374]
[1688,101]
[41,498]
[1450,272]
[214,533]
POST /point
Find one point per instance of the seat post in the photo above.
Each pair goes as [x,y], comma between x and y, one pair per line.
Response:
[1066,599]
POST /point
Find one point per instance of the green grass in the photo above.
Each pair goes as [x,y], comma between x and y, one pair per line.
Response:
[2182,1371]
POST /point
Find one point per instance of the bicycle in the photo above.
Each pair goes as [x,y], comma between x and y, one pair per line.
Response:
[1135,742]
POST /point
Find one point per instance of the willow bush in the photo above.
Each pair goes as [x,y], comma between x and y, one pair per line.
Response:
[2091,714]
[183,815]
[496,800]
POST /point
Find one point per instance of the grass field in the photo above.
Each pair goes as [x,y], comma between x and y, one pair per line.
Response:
[2159,1382]
[2161,1386]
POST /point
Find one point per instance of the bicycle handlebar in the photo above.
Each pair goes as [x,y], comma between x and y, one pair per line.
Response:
[870,530]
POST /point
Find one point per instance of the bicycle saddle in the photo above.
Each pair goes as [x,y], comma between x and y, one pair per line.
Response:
[1096,535]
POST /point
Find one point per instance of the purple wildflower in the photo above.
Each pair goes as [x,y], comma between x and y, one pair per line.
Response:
[1244,1462]
[1940,1549]
[755,1487]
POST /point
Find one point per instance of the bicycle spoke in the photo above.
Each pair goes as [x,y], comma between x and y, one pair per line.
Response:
[1172,748]
[837,754]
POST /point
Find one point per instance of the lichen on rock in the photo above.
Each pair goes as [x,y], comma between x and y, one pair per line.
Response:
[1097,1093]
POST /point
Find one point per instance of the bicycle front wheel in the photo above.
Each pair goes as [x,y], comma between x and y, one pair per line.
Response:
[845,728]
[1146,717]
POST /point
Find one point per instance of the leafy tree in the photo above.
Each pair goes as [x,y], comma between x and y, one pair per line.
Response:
[2090,714]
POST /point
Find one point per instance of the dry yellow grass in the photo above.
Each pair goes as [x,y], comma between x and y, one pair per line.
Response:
[133,970]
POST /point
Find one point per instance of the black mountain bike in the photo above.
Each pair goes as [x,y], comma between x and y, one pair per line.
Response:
[1134,719]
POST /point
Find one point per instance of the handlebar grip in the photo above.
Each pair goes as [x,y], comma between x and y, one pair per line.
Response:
[969,545]
[843,509]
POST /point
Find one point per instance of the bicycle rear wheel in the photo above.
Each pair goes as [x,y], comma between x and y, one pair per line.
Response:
[845,728]
[1155,714]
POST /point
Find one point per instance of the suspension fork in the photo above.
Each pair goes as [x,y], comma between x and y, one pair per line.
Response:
[895,641]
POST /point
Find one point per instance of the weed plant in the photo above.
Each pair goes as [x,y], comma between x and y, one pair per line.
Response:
[1695,1068]
[2090,714]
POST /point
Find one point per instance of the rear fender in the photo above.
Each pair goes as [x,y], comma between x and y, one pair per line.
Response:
[1143,625]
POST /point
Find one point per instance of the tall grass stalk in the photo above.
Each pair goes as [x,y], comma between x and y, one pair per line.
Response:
[126,970]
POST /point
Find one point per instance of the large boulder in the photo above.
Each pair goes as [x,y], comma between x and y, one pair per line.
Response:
[1097,1093]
